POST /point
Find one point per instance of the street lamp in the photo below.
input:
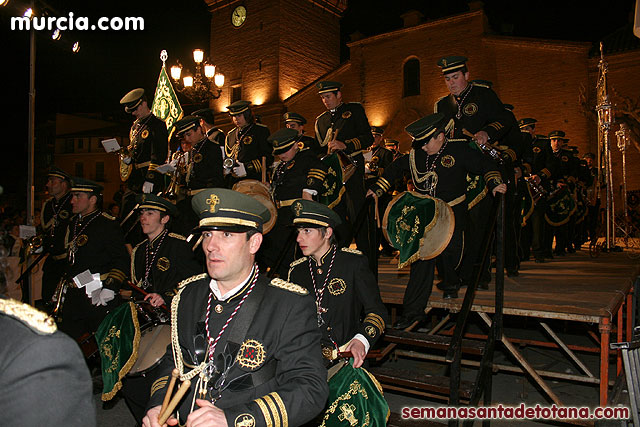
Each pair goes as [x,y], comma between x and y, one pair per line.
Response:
[206,84]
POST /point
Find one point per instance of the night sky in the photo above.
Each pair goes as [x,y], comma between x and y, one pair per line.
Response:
[111,63]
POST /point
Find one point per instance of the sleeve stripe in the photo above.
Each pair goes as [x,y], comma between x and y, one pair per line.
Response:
[274,411]
[265,412]
[375,320]
[283,409]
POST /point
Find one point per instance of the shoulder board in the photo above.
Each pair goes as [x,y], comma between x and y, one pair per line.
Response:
[177,236]
[298,261]
[351,251]
[457,140]
[106,215]
[326,112]
[192,279]
[354,103]
[481,85]
[37,320]
[260,124]
[288,286]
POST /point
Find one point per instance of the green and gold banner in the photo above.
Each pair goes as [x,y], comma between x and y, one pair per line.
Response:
[355,400]
[333,187]
[118,338]
[476,187]
[560,206]
[166,106]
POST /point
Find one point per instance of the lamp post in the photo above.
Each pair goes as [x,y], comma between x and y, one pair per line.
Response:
[204,85]
[623,142]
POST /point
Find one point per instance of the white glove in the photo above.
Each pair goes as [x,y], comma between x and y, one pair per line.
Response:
[147,187]
[239,170]
[173,163]
[127,160]
[103,295]
[366,169]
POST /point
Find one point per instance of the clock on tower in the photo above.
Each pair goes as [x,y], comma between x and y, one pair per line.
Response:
[269,49]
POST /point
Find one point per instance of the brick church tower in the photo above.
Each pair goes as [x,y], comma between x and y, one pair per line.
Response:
[270,49]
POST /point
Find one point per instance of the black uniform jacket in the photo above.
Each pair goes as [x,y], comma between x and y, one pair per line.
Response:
[351,122]
[100,247]
[283,338]
[54,217]
[45,380]
[456,160]
[351,296]
[290,178]
[253,146]
[480,109]
[149,137]
[205,166]
[173,262]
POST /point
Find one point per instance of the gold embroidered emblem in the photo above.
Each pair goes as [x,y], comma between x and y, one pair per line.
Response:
[82,240]
[145,134]
[370,330]
[213,202]
[346,114]
[218,308]
[536,149]
[197,158]
[565,159]
[337,286]
[64,214]
[247,140]
[348,414]
[327,353]
[470,109]
[244,420]
[144,198]
[163,264]
[444,62]
[448,161]
[251,354]
[297,208]
[300,145]
[310,181]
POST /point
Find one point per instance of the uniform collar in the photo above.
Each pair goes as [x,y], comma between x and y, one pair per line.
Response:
[337,108]
[464,92]
[323,257]
[238,290]
[89,215]
[156,239]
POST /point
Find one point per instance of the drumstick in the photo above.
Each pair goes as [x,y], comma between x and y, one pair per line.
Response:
[264,170]
[174,374]
[164,416]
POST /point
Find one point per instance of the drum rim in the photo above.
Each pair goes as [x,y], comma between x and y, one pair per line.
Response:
[271,206]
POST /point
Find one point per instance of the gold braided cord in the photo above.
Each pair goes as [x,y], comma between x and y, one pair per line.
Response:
[274,410]
[265,412]
[283,409]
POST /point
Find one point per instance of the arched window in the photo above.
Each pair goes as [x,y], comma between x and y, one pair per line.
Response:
[411,78]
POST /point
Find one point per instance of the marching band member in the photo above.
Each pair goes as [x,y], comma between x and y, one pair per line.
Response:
[245,145]
[345,127]
[94,242]
[204,169]
[250,346]
[344,287]
[438,168]
[296,121]
[150,144]
[299,174]
[158,264]
[55,215]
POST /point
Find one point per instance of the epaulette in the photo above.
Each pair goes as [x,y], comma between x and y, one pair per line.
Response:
[351,251]
[457,140]
[355,103]
[288,286]
[177,236]
[106,215]
[192,279]
[260,124]
[298,261]
[37,320]
[326,112]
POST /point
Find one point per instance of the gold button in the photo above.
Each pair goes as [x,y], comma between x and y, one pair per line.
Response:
[218,308]
[319,271]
